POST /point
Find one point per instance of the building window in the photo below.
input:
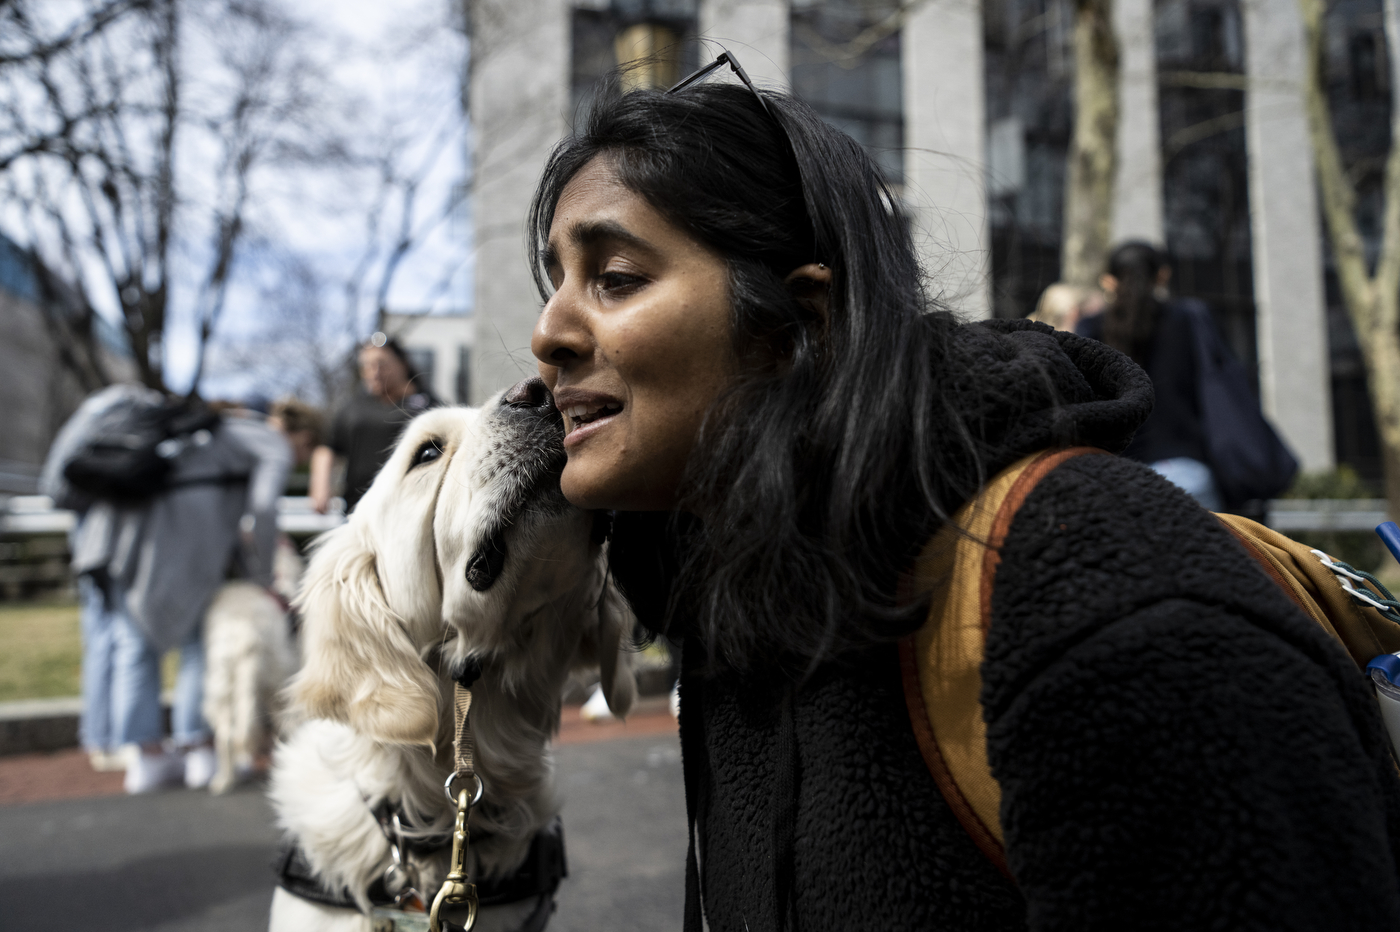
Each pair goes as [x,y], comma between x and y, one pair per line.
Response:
[845,63]
[423,360]
[464,375]
[659,35]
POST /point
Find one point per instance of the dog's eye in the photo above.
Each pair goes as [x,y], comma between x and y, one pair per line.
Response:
[428,452]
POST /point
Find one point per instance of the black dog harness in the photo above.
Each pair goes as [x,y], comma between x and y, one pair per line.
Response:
[538,876]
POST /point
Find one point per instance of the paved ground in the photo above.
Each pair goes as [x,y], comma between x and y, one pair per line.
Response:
[190,862]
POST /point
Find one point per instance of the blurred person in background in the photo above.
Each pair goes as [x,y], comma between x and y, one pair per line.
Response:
[1157,333]
[152,561]
[1207,433]
[99,620]
[1063,306]
[301,424]
[363,431]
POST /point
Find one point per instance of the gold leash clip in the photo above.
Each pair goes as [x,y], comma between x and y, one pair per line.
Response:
[455,890]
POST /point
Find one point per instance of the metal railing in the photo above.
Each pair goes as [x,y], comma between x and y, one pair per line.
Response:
[1326,514]
[35,514]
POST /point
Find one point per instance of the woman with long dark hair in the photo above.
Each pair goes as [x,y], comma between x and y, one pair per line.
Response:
[1160,337]
[755,382]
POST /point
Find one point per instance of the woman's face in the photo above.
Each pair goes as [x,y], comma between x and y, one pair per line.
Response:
[635,343]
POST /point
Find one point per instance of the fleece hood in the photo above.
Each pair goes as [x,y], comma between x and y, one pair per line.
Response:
[1030,387]
[1024,388]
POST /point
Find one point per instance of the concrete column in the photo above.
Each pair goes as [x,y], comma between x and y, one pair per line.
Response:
[1137,186]
[1294,363]
[758,32]
[945,151]
[519,102]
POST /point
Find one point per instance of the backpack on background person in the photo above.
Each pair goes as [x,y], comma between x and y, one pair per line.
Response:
[131,447]
[1249,460]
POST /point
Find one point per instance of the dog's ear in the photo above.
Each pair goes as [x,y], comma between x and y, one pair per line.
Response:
[361,667]
[614,646]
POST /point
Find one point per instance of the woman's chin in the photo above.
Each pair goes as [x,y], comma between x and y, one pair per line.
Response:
[584,490]
[587,489]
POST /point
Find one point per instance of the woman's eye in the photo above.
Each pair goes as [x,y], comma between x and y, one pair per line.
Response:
[428,452]
[620,282]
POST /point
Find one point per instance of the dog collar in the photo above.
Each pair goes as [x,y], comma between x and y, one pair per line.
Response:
[545,865]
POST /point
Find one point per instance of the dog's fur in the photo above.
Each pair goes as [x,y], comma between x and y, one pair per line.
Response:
[248,657]
[389,615]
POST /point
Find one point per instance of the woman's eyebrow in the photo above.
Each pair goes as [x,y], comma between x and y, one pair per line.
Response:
[592,232]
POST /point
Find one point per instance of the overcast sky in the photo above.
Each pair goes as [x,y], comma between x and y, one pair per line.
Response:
[393,70]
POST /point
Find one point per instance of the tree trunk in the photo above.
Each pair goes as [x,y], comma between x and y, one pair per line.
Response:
[1372,300]
[1380,347]
[1093,150]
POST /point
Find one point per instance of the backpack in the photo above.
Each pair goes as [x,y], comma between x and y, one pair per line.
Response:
[1246,455]
[131,449]
[941,663]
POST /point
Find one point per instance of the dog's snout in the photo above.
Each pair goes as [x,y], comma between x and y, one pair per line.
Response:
[528,393]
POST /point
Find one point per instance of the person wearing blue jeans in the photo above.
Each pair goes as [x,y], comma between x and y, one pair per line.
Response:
[121,697]
[95,730]
[1194,477]
[156,559]
[136,711]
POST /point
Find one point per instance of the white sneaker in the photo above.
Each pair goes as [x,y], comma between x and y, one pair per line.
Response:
[104,761]
[596,708]
[146,772]
[200,764]
[676,700]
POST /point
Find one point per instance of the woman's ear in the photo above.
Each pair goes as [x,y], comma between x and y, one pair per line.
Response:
[361,667]
[810,284]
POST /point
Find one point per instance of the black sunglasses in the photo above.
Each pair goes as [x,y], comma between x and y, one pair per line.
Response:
[726,57]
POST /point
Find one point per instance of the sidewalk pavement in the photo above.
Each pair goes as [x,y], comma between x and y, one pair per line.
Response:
[76,853]
[65,774]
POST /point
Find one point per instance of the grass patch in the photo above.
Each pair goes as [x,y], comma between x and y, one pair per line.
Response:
[42,655]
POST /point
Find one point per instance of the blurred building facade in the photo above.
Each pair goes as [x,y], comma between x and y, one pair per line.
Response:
[53,355]
[966,105]
[440,346]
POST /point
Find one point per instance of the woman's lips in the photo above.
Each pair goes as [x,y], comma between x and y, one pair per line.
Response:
[576,432]
[585,413]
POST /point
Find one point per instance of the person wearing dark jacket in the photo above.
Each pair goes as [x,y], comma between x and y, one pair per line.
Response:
[1191,368]
[754,381]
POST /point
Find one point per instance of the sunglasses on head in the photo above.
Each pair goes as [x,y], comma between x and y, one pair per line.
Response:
[726,57]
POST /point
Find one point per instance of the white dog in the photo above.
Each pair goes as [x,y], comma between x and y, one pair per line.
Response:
[248,658]
[463,548]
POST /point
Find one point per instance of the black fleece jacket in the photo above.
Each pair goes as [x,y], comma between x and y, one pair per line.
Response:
[1178,747]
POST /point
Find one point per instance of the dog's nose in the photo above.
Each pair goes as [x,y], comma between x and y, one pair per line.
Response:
[528,393]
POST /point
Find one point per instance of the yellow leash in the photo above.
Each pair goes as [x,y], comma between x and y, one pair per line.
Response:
[456,891]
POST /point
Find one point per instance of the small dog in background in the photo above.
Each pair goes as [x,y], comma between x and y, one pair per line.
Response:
[249,656]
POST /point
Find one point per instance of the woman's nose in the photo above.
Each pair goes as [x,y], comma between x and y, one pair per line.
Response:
[561,333]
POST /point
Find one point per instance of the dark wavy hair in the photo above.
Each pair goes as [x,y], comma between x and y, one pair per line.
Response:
[838,449]
[1131,319]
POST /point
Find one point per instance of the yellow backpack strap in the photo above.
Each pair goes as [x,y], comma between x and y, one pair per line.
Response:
[1316,590]
[942,661]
